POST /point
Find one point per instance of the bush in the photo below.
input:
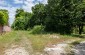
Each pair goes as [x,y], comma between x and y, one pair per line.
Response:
[38,29]
[75,43]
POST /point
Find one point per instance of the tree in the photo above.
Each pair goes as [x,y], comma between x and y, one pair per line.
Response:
[39,15]
[59,16]
[63,15]
[27,20]
[80,16]
[21,20]
[4,17]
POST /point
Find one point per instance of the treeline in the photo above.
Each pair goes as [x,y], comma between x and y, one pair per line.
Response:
[61,16]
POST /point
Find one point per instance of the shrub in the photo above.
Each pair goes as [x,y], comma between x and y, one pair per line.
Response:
[75,43]
[38,29]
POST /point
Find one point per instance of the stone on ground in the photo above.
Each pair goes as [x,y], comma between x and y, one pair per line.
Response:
[16,51]
[56,50]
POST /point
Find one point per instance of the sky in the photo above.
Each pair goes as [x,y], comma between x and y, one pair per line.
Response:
[12,5]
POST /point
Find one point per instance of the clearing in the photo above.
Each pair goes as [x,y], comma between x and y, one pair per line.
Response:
[23,43]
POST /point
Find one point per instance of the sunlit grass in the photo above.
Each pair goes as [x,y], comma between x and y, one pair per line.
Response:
[38,41]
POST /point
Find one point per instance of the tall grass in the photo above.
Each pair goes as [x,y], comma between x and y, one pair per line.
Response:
[38,41]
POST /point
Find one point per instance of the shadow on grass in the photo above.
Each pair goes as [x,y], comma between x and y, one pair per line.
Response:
[77,35]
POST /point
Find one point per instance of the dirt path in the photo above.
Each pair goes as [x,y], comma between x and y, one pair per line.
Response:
[56,49]
[80,49]
[59,49]
[16,51]
[23,48]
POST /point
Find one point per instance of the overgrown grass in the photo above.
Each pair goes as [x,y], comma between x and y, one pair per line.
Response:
[9,37]
[38,41]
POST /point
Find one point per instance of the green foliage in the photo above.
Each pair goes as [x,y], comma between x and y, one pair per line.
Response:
[3,17]
[63,16]
[18,24]
[57,16]
[38,29]
[21,20]
[39,15]
[79,20]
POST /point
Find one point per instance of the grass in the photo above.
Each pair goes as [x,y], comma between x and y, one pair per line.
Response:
[38,41]
[9,37]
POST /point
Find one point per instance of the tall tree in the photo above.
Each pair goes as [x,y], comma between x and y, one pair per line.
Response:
[61,15]
[21,20]
[80,16]
[58,16]
[39,15]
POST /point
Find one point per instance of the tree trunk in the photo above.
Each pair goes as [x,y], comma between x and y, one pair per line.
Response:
[80,29]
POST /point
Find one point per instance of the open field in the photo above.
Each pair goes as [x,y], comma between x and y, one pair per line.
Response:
[37,41]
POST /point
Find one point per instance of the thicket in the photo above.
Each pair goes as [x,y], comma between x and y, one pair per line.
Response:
[60,16]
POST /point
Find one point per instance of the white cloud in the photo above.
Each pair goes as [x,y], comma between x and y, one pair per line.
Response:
[29,4]
[18,1]
[29,1]
[3,3]
[12,13]
[44,2]
[27,7]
